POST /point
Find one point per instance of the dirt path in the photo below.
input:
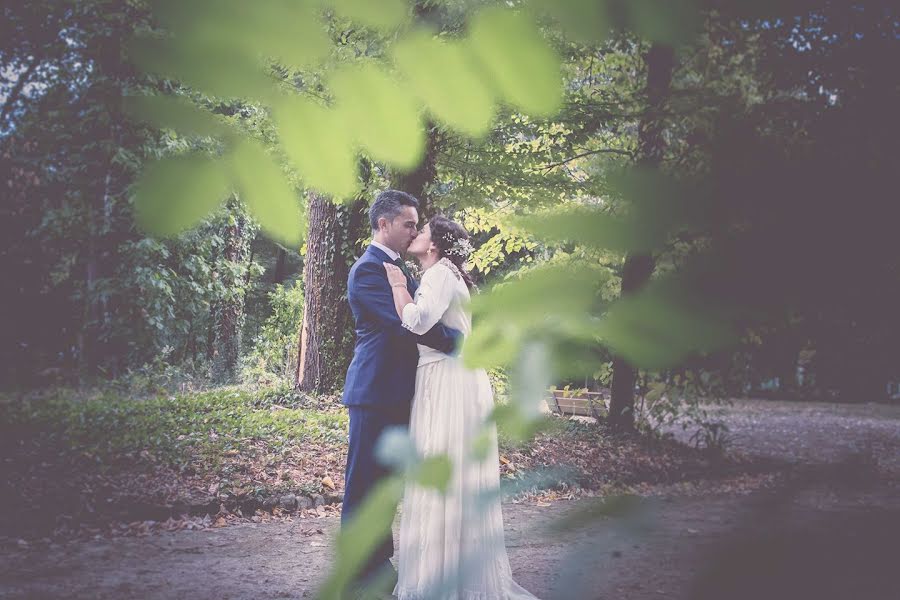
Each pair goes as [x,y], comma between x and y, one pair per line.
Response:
[812,432]
[831,531]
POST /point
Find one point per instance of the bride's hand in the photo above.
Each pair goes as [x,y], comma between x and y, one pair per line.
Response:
[394,274]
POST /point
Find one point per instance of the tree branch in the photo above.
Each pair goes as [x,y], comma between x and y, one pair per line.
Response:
[17,89]
[588,153]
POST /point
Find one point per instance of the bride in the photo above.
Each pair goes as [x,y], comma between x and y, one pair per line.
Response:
[452,544]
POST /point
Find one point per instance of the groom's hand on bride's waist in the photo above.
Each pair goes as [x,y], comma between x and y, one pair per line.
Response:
[443,339]
[457,342]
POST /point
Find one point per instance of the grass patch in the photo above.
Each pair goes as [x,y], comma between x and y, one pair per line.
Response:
[82,453]
[171,429]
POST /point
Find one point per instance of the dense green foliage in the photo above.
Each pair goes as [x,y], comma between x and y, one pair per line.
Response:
[783,92]
[275,346]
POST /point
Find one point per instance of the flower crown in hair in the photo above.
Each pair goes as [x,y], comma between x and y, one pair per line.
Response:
[460,247]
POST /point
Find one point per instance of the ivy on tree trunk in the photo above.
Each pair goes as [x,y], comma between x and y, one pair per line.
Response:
[326,340]
[229,315]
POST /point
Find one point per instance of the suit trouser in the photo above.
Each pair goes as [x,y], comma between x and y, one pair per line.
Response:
[364,471]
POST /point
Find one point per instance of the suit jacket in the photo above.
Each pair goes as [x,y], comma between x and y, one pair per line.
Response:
[383,370]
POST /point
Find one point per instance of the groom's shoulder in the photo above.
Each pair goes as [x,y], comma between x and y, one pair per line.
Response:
[364,262]
[365,258]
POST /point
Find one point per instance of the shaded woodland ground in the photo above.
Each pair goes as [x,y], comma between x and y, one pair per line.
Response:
[824,524]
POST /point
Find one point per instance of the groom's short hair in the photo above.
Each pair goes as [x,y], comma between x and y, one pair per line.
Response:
[388,204]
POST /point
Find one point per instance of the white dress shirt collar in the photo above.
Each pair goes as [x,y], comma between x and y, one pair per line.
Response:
[393,255]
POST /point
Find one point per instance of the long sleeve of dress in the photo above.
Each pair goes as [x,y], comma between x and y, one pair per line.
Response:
[371,290]
[435,293]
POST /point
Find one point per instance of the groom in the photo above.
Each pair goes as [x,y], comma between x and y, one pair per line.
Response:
[381,379]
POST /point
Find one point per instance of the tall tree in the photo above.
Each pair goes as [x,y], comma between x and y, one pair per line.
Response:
[639,266]
[325,339]
[322,309]
[229,312]
[419,181]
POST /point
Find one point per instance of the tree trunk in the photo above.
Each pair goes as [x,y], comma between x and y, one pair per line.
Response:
[637,270]
[229,315]
[418,181]
[93,350]
[319,364]
[639,267]
[280,267]
[326,337]
[98,340]
[89,337]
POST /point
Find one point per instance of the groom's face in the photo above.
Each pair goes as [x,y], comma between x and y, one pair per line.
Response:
[402,230]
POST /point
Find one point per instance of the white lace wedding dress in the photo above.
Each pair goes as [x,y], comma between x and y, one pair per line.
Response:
[452,546]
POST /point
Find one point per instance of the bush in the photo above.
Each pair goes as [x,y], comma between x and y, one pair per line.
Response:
[499,383]
[273,358]
[160,376]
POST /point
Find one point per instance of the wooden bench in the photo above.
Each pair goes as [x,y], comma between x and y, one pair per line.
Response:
[578,402]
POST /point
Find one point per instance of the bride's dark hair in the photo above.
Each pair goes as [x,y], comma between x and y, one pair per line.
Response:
[451,239]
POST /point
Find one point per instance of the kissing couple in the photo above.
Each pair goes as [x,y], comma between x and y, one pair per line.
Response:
[406,371]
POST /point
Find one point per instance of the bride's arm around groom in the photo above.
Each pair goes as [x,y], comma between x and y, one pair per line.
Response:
[376,295]
[433,297]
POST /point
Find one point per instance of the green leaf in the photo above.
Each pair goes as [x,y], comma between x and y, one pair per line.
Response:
[550,289]
[481,445]
[652,207]
[529,381]
[551,302]
[624,506]
[512,422]
[446,78]
[175,113]
[583,20]
[518,61]
[395,448]
[286,31]
[319,144]
[383,115]
[661,325]
[176,193]
[666,21]
[221,70]
[358,538]
[265,190]
[591,227]
[434,472]
[492,343]
[384,14]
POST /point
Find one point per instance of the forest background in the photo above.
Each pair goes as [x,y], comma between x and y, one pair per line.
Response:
[690,196]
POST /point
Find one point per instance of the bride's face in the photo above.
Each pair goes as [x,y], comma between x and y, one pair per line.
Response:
[422,244]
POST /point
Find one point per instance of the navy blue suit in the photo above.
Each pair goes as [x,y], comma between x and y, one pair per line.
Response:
[381,378]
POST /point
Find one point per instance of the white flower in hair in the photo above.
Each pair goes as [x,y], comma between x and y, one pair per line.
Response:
[460,247]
